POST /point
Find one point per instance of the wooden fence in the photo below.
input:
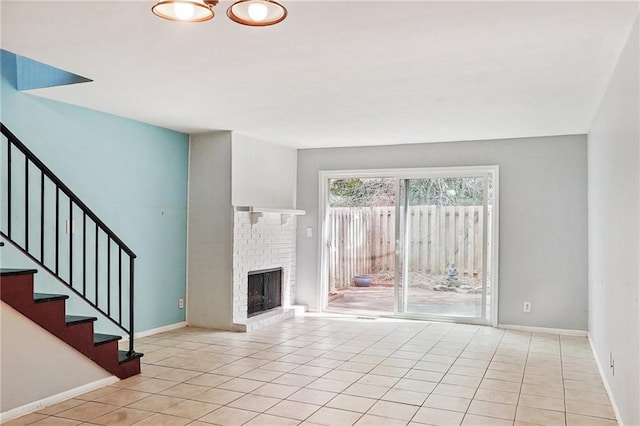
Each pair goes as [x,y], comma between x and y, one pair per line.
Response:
[363,241]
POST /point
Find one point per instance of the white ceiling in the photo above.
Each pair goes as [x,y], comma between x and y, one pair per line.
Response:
[336,73]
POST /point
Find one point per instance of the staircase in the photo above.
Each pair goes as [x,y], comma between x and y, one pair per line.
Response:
[48,311]
[92,263]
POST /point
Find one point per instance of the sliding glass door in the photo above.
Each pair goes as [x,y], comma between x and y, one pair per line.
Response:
[360,231]
[416,243]
[444,254]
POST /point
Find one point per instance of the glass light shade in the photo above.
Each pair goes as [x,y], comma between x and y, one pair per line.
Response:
[183,10]
[257,13]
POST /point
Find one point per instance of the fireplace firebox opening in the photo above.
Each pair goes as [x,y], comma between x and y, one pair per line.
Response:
[264,290]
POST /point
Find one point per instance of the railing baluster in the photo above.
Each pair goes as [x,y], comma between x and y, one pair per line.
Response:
[84,254]
[9,187]
[26,203]
[70,230]
[57,248]
[108,275]
[42,216]
[97,259]
[131,306]
[120,284]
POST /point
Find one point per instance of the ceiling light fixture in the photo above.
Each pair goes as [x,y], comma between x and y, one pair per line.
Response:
[255,13]
[185,10]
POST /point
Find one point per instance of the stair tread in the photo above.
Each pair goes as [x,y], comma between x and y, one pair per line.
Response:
[101,339]
[123,356]
[77,319]
[16,271]
[47,297]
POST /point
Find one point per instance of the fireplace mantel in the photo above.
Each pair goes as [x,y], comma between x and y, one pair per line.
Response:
[257,212]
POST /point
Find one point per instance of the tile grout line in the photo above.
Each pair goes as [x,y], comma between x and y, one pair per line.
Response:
[564,397]
[524,372]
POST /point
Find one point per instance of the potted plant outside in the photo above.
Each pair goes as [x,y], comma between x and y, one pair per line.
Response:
[363,280]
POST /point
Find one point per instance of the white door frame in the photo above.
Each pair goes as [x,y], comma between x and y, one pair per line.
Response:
[408,173]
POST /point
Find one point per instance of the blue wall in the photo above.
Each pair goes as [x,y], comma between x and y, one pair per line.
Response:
[132,175]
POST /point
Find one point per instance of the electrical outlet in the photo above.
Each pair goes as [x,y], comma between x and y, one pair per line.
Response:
[181,303]
[526,307]
[309,232]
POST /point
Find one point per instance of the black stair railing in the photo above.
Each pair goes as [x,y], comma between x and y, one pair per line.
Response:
[94,268]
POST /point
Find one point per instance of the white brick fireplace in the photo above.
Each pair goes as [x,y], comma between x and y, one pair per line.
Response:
[263,240]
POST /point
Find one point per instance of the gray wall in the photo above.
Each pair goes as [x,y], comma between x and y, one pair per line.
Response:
[614,231]
[263,173]
[210,232]
[543,218]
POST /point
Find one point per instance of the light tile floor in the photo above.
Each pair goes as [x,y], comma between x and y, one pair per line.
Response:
[319,370]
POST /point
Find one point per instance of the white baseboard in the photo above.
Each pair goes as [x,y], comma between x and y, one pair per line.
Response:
[562,331]
[299,309]
[153,331]
[605,382]
[54,399]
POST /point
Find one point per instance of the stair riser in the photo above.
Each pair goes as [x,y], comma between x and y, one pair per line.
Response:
[17,290]
[104,355]
[128,369]
[48,315]
[80,336]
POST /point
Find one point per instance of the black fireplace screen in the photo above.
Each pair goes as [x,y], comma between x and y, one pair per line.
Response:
[265,290]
